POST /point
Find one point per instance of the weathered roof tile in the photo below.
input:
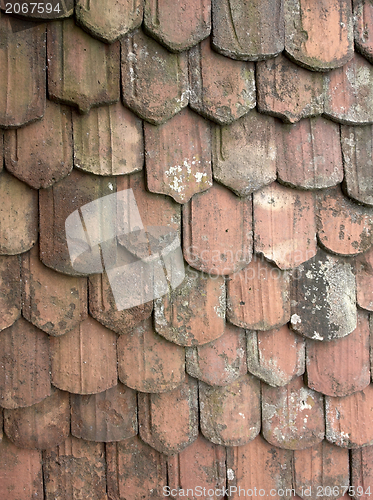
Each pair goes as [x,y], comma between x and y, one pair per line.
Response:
[10,290]
[362,471]
[364,280]
[363,27]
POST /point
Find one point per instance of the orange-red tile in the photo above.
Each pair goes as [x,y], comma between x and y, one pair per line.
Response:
[22,89]
[364,280]
[24,365]
[84,361]
[248,30]
[82,71]
[292,416]
[244,153]
[258,296]
[362,472]
[178,156]
[41,153]
[349,92]
[340,367]
[221,361]
[220,89]
[149,363]
[217,231]
[230,415]
[284,225]
[10,290]
[178,25]
[55,10]
[309,153]
[317,286]
[108,416]
[349,419]
[363,27]
[42,425]
[276,356]
[288,91]
[154,81]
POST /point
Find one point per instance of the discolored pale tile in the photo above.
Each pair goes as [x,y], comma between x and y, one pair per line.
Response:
[364,280]
[363,27]
[48,11]
[362,471]
[10,290]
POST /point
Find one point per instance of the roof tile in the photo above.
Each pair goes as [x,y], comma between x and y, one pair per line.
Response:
[56,10]
[41,153]
[258,296]
[230,415]
[217,231]
[325,284]
[210,77]
[362,471]
[178,25]
[248,30]
[244,153]
[309,153]
[340,367]
[84,361]
[149,363]
[178,156]
[364,280]
[108,416]
[22,89]
[349,419]
[82,71]
[319,35]
[154,82]
[168,422]
[276,356]
[108,141]
[24,365]
[288,91]
[221,361]
[363,24]
[41,426]
[10,290]
[349,92]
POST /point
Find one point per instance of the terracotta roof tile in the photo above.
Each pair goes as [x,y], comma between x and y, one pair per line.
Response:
[221,361]
[258,296]
[364,280]
[363,24]
[178,25]
[342,366]
[244,153]
[210,76]
[82,71]
[309,153]
[84,360]
[57,9]
[362,471]
[276,356]
[41,426]
[108,416]
[178,156]
[248,30]
[149,363]
[10,290]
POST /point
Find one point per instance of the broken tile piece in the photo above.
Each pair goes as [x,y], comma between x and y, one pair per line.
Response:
[343,227]
[323,298]
[244,153]
[154,81]
[221,89]
[108,416]
[178,25]
[230,415]
[249,29]
[41,153]
[284,225]
[10,290]
[340,367]
[108,21]
[227,247]
[276,356]
[82,71]
[362,471]
[178,156]
[42,425]
[84,361]
[349,92]
[258,296]
[108,141]
[289,91]
[364,280]
[50,10]
[319,35]
[309,153]
[149,363]
[349,419]
[24,365]
[221,361]
[292,416]
[363,27]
